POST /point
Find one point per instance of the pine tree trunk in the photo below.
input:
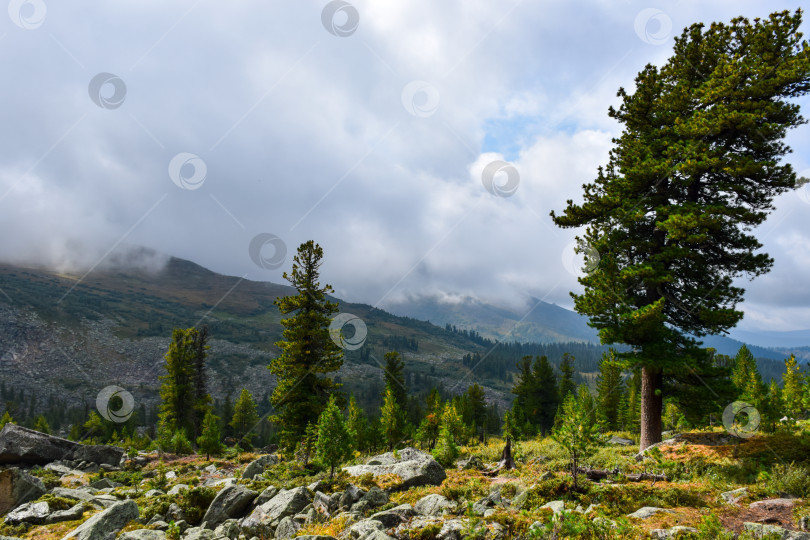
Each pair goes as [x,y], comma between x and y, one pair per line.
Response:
[651,406]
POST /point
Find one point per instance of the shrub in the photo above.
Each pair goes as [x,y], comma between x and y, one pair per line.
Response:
[195,502]
[790,479]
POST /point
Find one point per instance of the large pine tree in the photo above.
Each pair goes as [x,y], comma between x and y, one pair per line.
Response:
[184,399]
[696,168]
[308,353]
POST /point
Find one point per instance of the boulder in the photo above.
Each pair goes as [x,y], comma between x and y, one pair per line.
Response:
[761,531]
[264,518]
[268,493]
[74,494]
[620,441]
[228,529]
[199,533]
[18,487]
[394,516]
[23,445]
[364,528]
[323,504]
[415,468]
[229,503]
[142,534]
[106,524]
[735,495]
[316,537]
[648,512]
[375,497]
[176,489]
[772,504]
[555,506]
[471,463]
[287,528]
[435,505]
[31,512]
[452,529]
[256,467]
[71,514]
[104,483]
[351,495]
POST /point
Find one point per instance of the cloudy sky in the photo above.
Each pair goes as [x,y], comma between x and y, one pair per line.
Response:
[194,127]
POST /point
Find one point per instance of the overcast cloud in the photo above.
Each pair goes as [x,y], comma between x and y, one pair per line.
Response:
[372,143]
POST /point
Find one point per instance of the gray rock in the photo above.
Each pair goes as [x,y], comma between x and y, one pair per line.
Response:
[18,487]
[171,475]
[648,512]
[23,445]
[264,518]
[175,490]
[103,483]
[772,504]
[351,495]
[228,529]
[375,497]
[451,530]
[158,524]
[414,467]
[30,512]
[316,537]
[214,482]
[620,441]
[103,501]
[318,485]
[376,535]
[323,504]
[257,466]
[268,493]
[107,523]
[735,495]
[394,516]
[435,505]
[71,514]
[211,469]
[154,493]
[199,533]
[287,528]
[471,463]
[175,513]
[762,530]
[361,507]
[364,528]
[555,506]
[142,534]
[229,503]
[70,493]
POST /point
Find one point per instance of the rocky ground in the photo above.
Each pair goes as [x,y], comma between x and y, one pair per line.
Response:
[407,495]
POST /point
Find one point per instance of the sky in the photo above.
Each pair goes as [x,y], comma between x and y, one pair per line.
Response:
[422,144]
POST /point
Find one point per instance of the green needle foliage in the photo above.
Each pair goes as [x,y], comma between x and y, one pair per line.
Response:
[577,433]
[244,419]
[393,420]
[184,400]
[695,170]
[334,441]
[210,441]
[307,350]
